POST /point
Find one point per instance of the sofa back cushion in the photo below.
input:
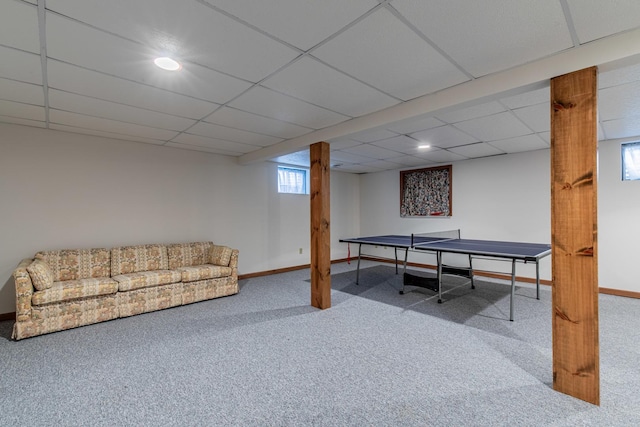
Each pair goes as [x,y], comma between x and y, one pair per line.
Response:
[75,264]
[41,275]
[220,255]
[134,259]
[188,254]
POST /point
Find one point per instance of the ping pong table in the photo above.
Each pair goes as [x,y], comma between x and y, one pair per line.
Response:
[450,242]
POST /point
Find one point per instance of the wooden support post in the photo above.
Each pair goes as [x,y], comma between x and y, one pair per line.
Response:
[320,227]
[576,361]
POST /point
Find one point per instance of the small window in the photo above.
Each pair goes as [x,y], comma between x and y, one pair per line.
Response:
[631,161]
[293,180]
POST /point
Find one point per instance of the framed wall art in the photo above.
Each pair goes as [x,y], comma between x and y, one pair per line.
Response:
[426,192]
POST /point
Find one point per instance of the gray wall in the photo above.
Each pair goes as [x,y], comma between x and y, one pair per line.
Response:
[62,190]
[508,198]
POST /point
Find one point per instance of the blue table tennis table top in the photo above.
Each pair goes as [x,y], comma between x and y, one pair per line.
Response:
[493,248]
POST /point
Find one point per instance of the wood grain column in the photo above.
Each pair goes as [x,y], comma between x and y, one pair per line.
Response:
[576,360]
[320,226]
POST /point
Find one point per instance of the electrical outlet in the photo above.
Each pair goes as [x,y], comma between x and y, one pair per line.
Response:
[300,250]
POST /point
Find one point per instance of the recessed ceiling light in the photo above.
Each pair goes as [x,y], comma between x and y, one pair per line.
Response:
[424,146]
[167,63]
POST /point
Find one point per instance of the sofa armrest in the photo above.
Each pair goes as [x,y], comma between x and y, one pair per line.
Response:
[233,262]
[24,290]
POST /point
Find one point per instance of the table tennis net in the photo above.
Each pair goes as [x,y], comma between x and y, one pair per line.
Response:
[434,236]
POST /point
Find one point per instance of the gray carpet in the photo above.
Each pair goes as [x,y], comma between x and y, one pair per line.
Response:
[264,357]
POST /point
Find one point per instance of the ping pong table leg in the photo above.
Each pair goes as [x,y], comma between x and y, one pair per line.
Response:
[513,287]
[395,250]
[358,268]
[439,258]
[404,268]
[537,279]
[406,254]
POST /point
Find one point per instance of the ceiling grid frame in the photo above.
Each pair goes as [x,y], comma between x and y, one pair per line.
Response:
[257,136]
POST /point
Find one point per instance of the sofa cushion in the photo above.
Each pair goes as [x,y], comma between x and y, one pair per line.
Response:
[72,289]
[144,279]
[219,255]
[41,275]
[188,254]
[132,259]
[74,264]
[202,272]
[149,299]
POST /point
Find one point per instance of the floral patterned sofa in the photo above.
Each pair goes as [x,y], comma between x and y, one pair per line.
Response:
[63,289]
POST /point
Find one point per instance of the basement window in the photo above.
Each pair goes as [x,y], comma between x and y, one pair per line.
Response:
[293,180]
[631,161]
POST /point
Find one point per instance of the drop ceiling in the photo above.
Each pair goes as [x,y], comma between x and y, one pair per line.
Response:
[261,79]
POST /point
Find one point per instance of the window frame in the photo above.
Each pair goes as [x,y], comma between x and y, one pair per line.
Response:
[627,150]
[295,169]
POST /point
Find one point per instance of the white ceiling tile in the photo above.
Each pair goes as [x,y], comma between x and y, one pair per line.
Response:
[243,120]
[265,102]
[73,42]
[305,23]
[24,122]
[628,127]
[78,80]
[537,117]
[340,143]
[383,52]
[106,125]
[345,168]
[372,151]
[109,110]
[441,156]
[401,143]
[357,168]
[485,37]
[382,165]
[12,90]
[499,126]
[443,137]
[479,149]
[533,97]
[22,111]
[188,30]
[618,76]
[104,134]
[314,82]
[126,59]
[594,19]
[199,82]
[222,146]
[412,161]
[230,134]
[339,156]
[619,101]
[372,135]
[19,26]
[416,125]
[468,113]
[521,143]
[299,158]
[21,66]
